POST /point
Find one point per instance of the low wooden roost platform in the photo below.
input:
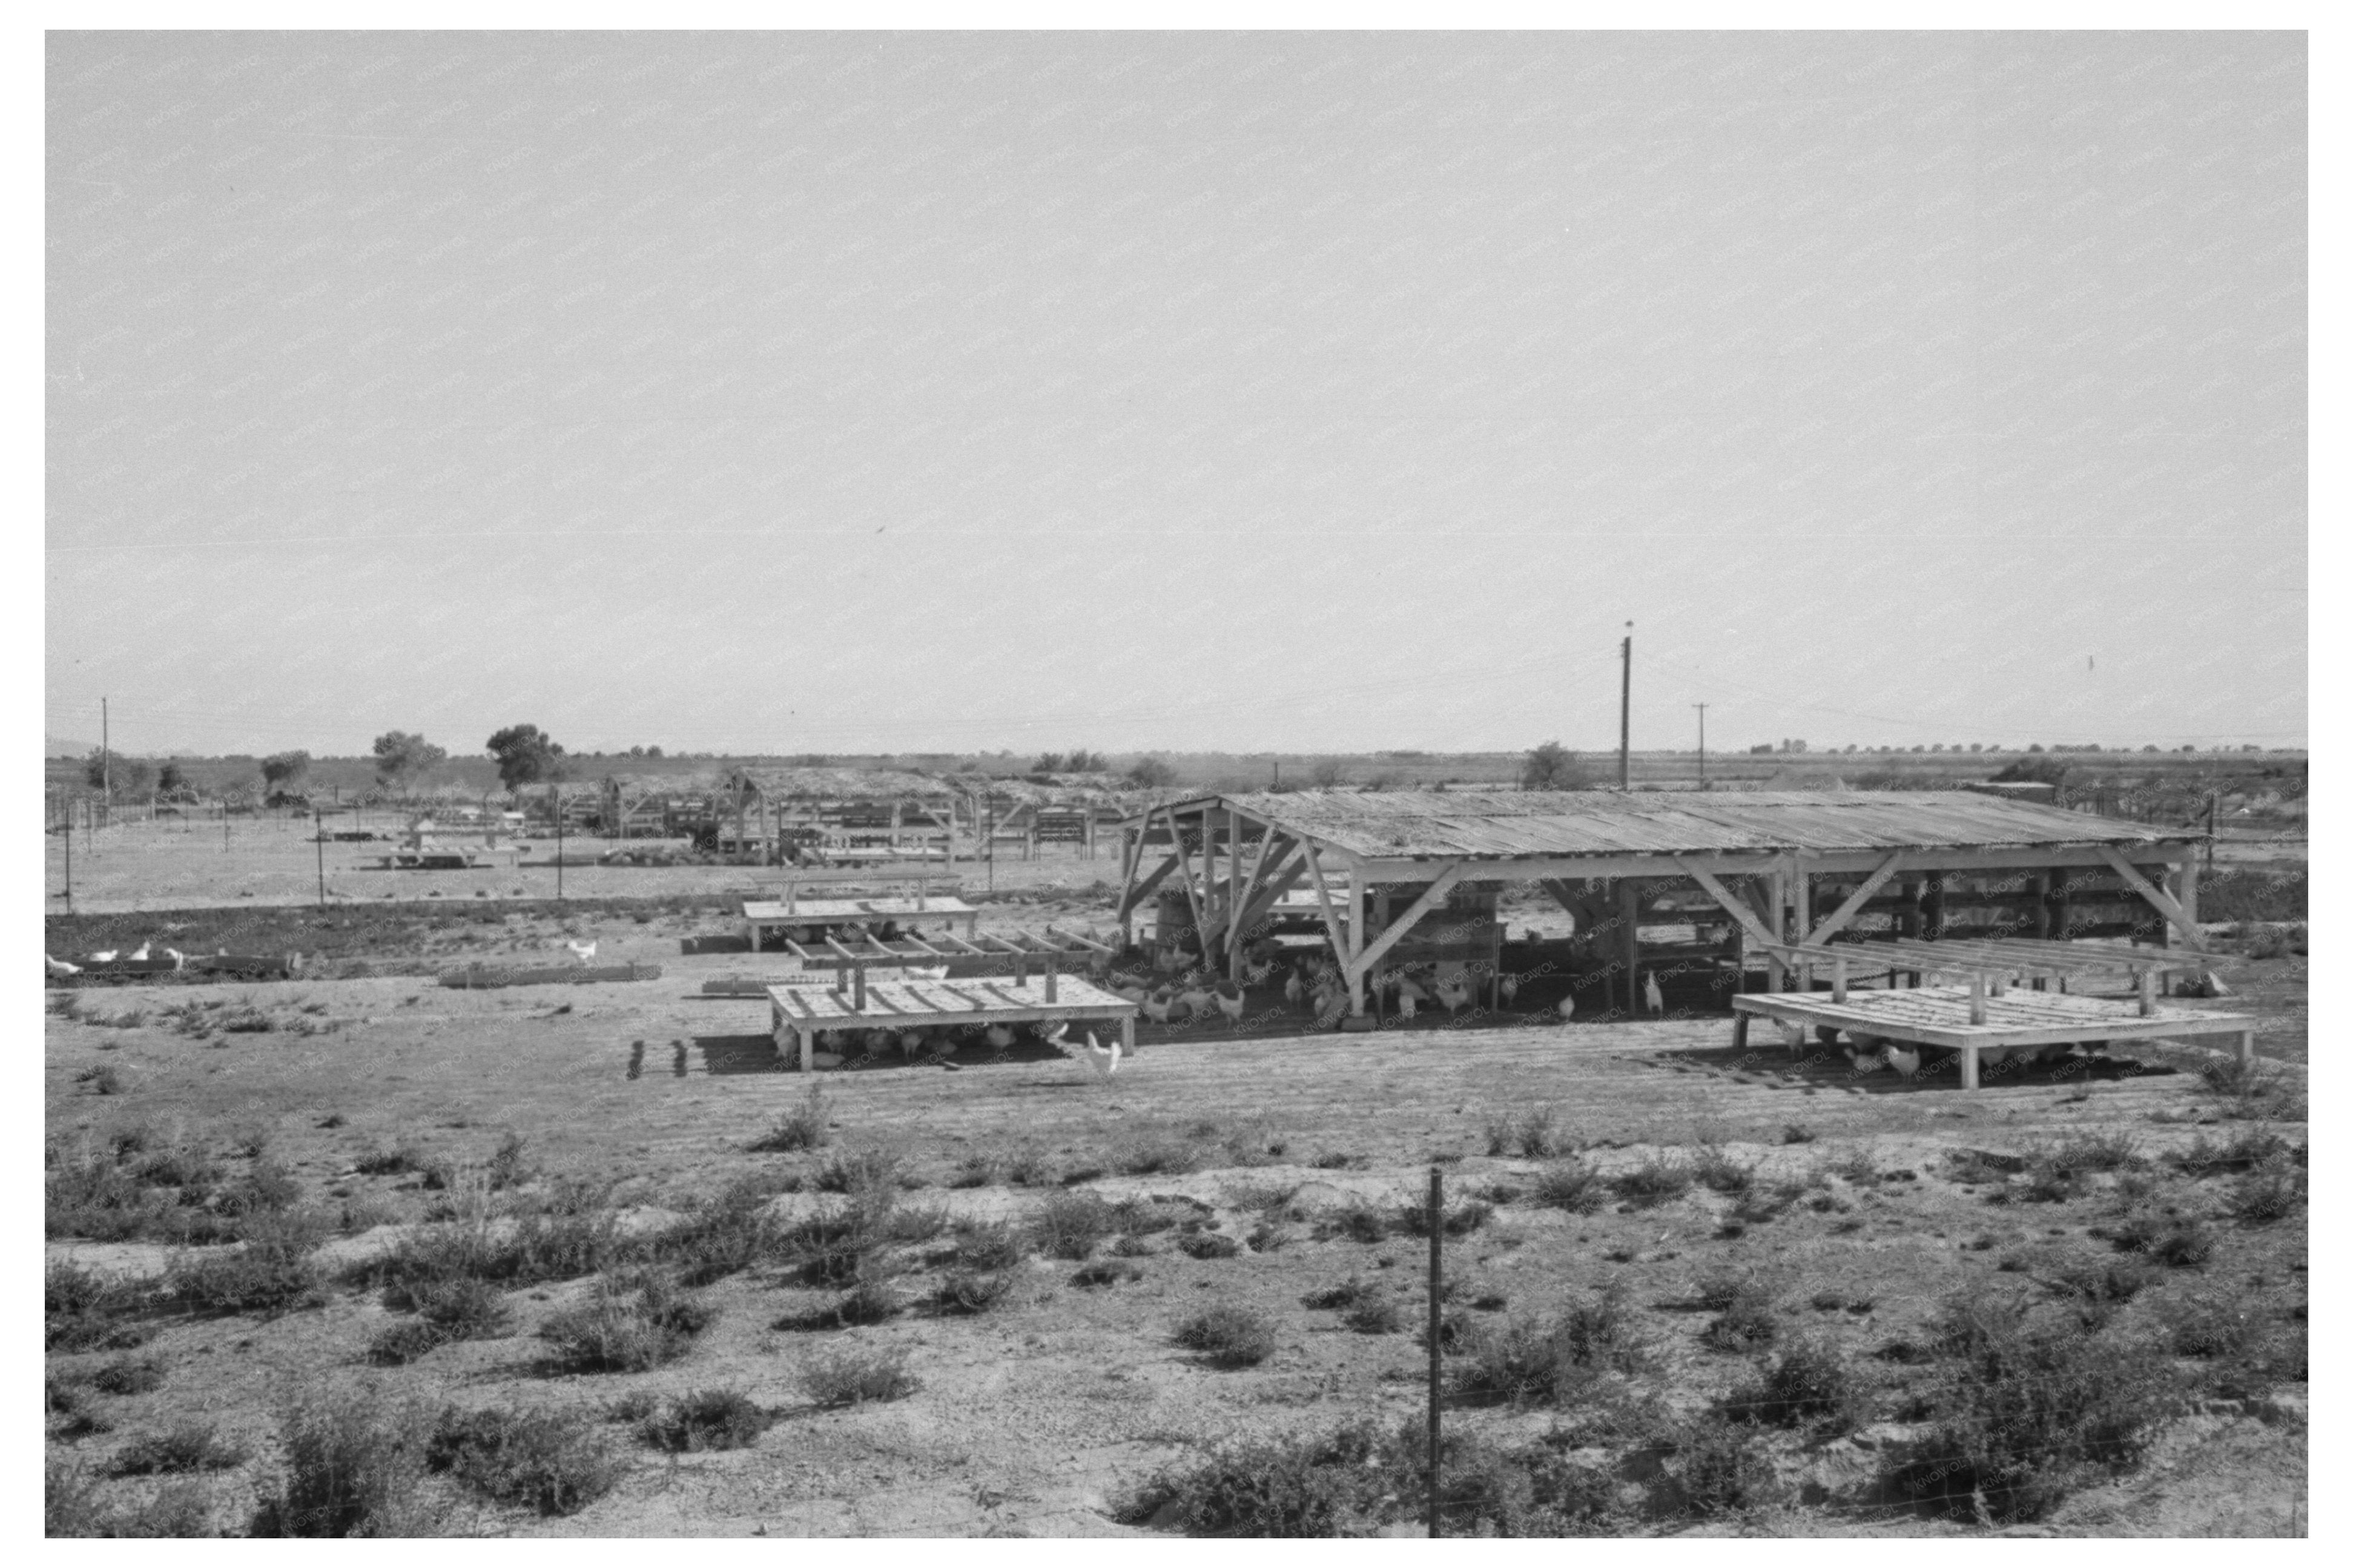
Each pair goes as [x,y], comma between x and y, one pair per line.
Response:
[1966,1019]
[798,1014]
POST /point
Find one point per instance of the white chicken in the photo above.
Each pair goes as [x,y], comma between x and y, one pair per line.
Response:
[1000,1039]
[1229,1001]
[1196,1001]
[1257,970]
[1566,1008]
[1104,1060]
[1156,1006]
[59,967]
[1453,993]
[1651,997]
[1905,1059]
[583,950]
[140,956]
[1507,988]
[1294,990]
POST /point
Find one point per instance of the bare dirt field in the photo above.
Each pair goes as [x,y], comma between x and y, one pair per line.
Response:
[1656,1243]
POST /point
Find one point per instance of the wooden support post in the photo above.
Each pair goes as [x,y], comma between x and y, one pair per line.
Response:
[2148,989]
[1801,888]
[1393,932]
[1838,980]
[1049,978]
[1354,960]
[1977,997]
[1968,1067]
[858,979]
[1630,914]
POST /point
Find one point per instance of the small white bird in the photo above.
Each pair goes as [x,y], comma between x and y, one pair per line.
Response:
[1156,1006]
[1453,994]
[108,956]
[1406,1002]
[59,967]
[1196,1001]
[910,1042]
[583,950]
[1864,1060]
[1257,970]
[1651,998]
[1905,1059]
[179,960]
[1001,1041]
[1167,961]
[876,1041]
[1293,989]
[140,956]
[1566,1008]
[1407,990]
[1105,1061]
[1507,988]
[1229,1001]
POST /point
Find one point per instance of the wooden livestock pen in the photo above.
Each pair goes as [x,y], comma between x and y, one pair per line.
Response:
[1402,878]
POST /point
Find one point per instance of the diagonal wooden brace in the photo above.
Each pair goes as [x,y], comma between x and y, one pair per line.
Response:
[1733,905]
[2159,899]
[1846,911]
[1430,897]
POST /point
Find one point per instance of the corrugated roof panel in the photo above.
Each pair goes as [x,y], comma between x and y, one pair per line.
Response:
[1512,823]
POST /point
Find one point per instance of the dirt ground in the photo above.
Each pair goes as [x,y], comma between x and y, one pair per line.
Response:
[1040,1416]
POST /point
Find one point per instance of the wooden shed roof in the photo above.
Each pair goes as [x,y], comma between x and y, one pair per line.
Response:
[1507,825]
[844,783]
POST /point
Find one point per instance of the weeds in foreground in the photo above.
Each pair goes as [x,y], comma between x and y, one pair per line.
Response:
[858,1376]
[353,1468]
[550,1461]
[804,1126]
[1571,1183]
[1662,1177]
[1545,1361]
[186,1446]
[631,1323]
[1229,1337]
[707,1420]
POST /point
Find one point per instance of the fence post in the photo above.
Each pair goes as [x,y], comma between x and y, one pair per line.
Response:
[1437,1285]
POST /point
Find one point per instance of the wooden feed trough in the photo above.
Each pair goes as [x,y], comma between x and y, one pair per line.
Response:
[798,1014]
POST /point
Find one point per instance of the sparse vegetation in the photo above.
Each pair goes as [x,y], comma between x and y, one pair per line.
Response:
[186,1446]
[352,1467]
[1227,1337]
[708,1419]
[1661,1177]
[858,1376]
[629,1323]
[547,1461]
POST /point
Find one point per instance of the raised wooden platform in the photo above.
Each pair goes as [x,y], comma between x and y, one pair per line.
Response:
[830,915]
[490,976]
[798,1014]
[1966,1019]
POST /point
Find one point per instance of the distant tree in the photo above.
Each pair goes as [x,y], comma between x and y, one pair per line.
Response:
[400,755]
[171,783]
[127,775]
[2035,746]
[2034,769]
[1051,762]
[653,750]
[1974,746]
[2148,748]
[525,756]
[1152,772]
[283,769]
[1553,767]
[1325,773]
[1085,761]
[1764,751]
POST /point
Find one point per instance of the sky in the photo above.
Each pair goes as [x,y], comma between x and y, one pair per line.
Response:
[833,392]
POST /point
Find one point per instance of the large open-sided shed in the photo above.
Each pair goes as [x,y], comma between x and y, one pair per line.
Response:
[1786,869]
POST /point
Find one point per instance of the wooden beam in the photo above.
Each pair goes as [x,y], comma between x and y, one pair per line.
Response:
[1267,897]
[1395,932]
[1184,865]
[1733,905]
[1323,902]
[1532,868]
[1238,919]
[2160,900]
[1837,917]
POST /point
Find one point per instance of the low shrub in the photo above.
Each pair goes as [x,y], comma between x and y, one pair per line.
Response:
[272,1272]
[1208,1246]
[403,1342]
[1102,1272]
[2265,1196]
[1229,1337]
[1070,1226]
[1662,1177]
[1545,1361]
[74,1508]
[969,1291]
[1766,1202]
[178,1450]
[1531,1134]
[988,1246]
[550,1461]
[807,1125]
[1571,1183]
[1293,1489]
[858,1376]
[1792,1132]
[1357,1221]
[1744,1312]
[86,1311]
[2031,1413]
[352,1467]
[1375,1311]
[127,1375]
[1805,1385]
[856,1170]
[710,1419]
[1720,1173]
[2242,1151]
[1158,1157]
[1462,1219]
[733,1230]
[2209,1330]
[1718,1470]
[629,1323]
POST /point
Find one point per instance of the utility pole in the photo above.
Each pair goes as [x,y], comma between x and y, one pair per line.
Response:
[105,756]
[1436,1291]
[555,799]
[319,838]
[1703,744]
[1625,702]
[70,857]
